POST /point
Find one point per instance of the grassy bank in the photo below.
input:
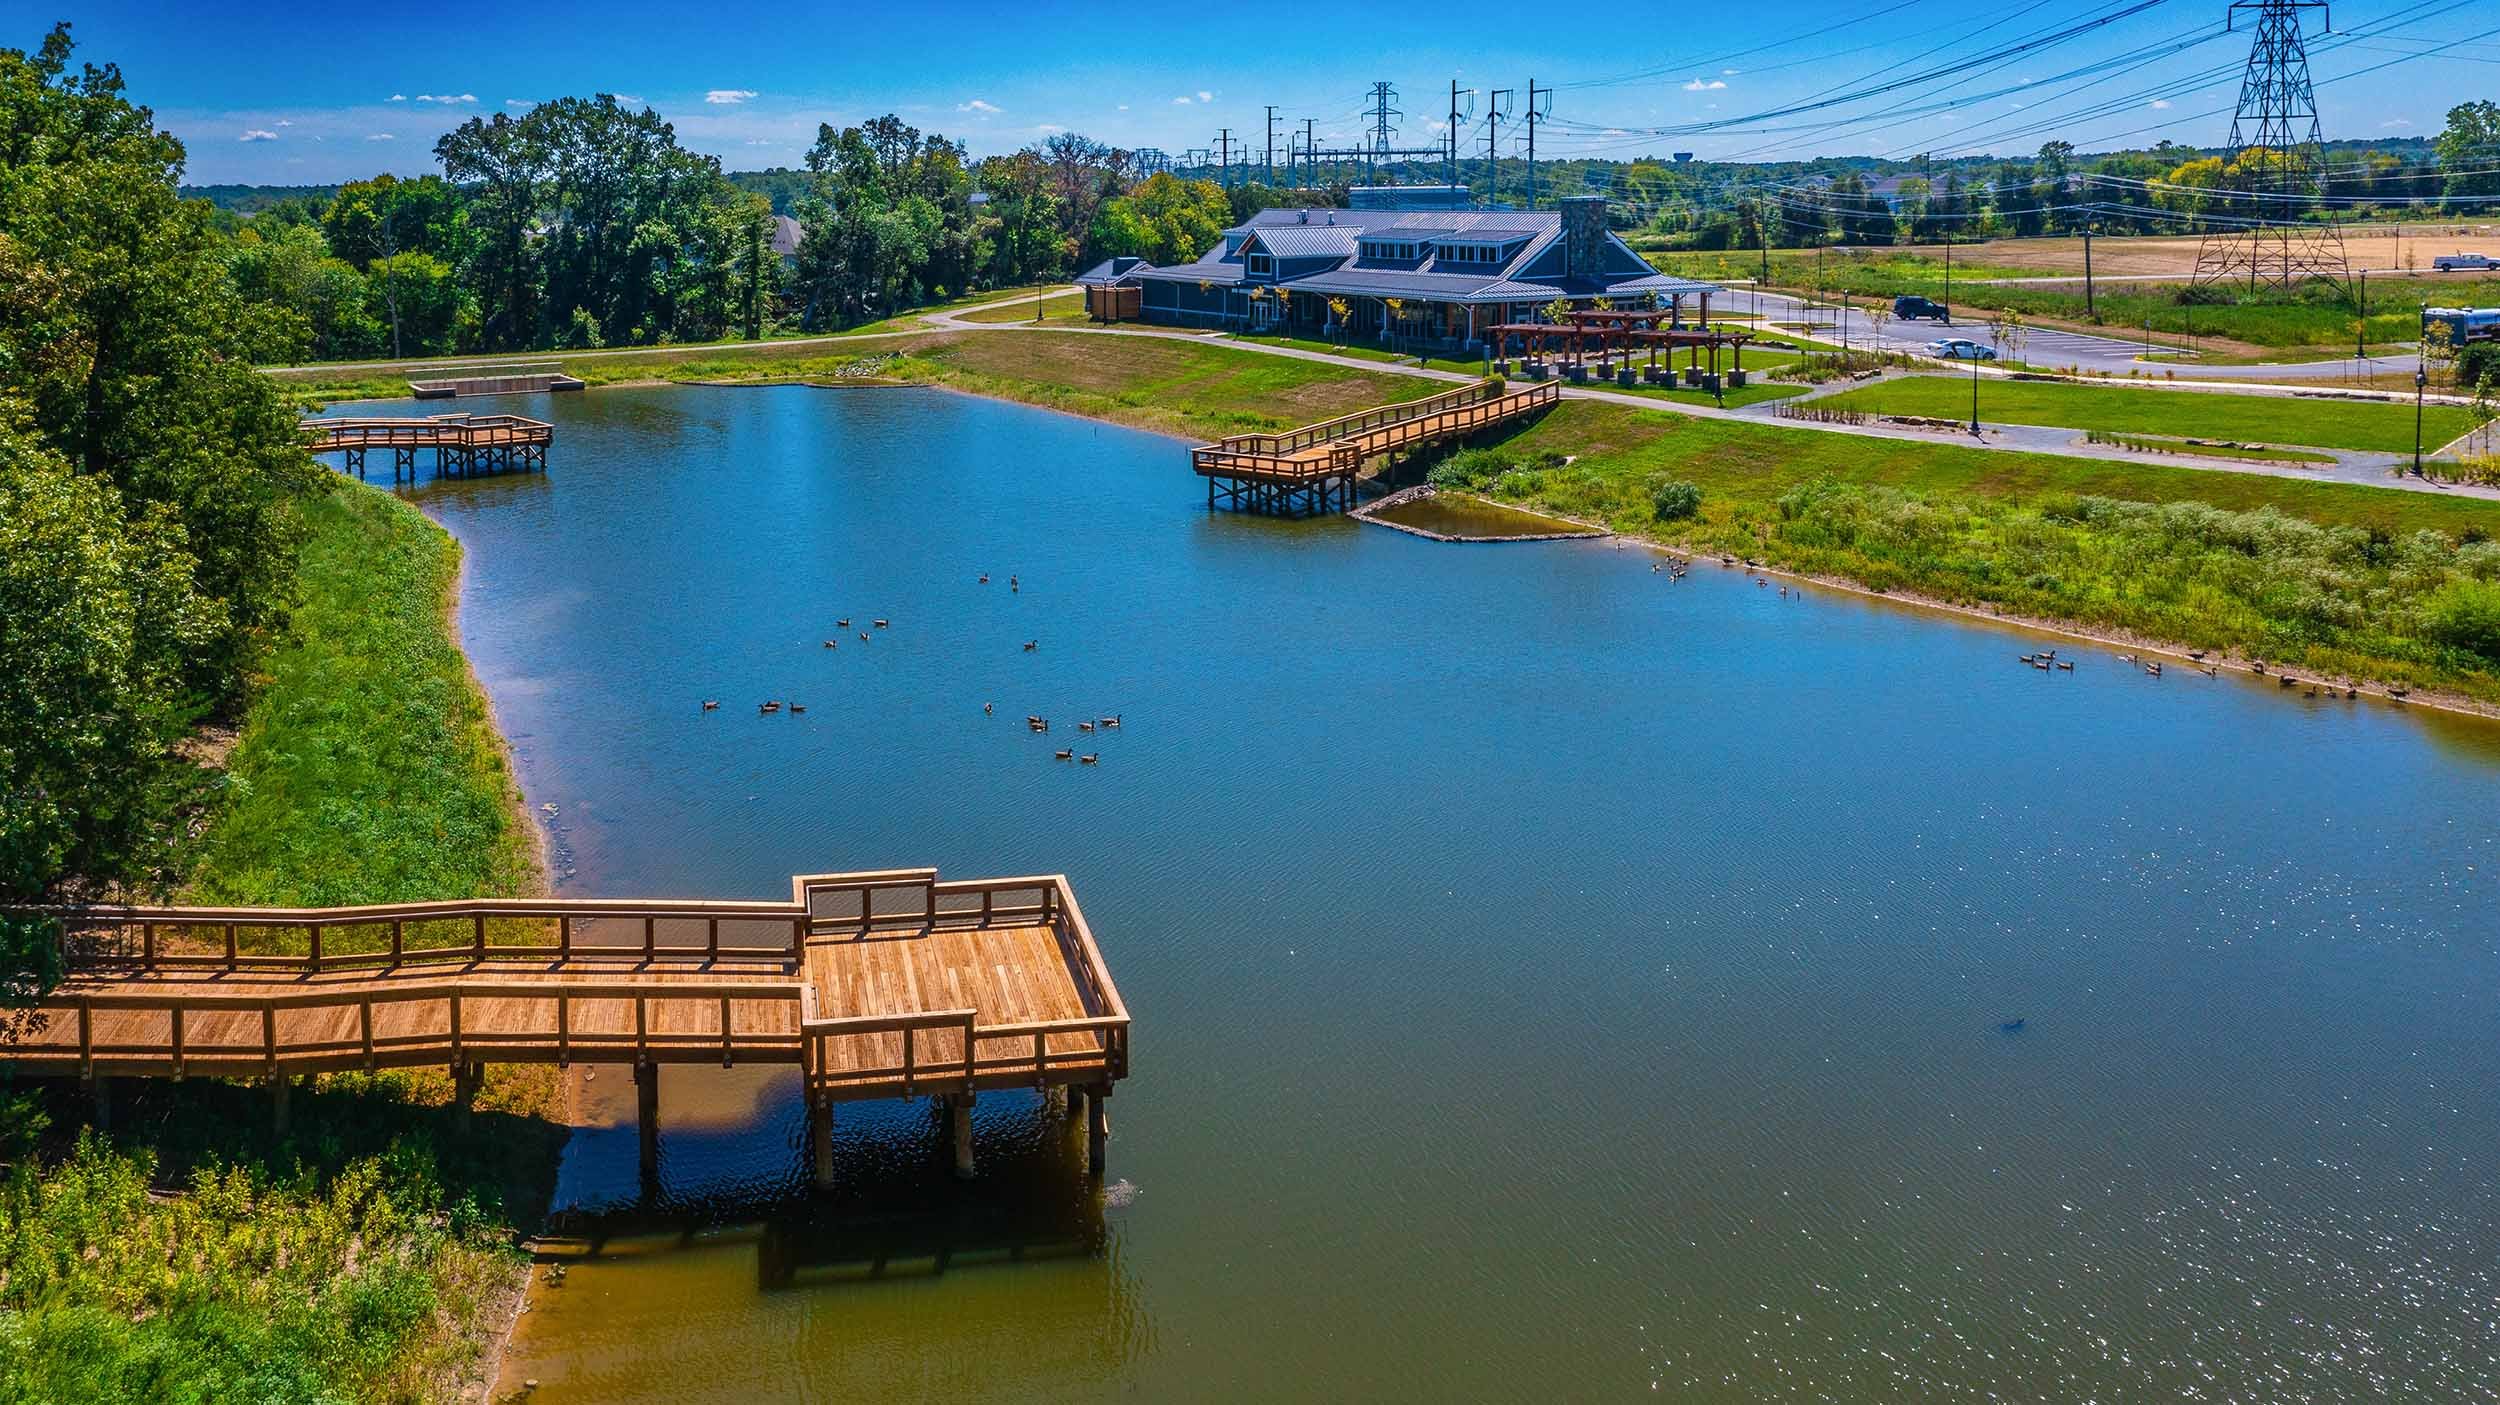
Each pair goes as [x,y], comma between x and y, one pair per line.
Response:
[194,1255]
[2265,419]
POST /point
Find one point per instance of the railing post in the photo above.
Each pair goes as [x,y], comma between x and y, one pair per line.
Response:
[86,1038]
[147,943]
[908,1058]
[399,940]
[564,936]
[366,1006]
[455,1024]
[1040,1056]
[650,936]
[641,1027]
[177,1014]
[316,946]
[726,1040]
[711,939]
[477,935]
[231,956]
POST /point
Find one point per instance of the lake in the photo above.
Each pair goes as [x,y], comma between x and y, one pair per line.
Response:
[1550,980]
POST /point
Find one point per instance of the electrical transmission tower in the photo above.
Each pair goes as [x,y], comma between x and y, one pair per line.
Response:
[2279,152]
[1151,159]
[1384,108]
[1496,112]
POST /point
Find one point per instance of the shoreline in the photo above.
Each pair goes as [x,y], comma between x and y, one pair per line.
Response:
[2436,699]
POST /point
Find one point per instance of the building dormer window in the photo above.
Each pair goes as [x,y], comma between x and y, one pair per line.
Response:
[1389,250]
[1261,265]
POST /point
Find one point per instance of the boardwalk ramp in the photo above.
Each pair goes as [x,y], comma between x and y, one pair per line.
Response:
[1313,469]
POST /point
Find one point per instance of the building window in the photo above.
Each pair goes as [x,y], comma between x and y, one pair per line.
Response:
[1261,265]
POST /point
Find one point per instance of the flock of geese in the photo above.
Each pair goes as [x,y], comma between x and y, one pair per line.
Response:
[1033,721]
[2047,659]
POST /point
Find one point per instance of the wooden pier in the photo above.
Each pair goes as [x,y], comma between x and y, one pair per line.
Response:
[511,380]
[876,985]
[463,445]
[1313,469]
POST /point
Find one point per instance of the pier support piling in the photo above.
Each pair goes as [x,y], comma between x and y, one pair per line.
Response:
[647,1122]
[279,1120]
[100,1099]
[1097,1129]
[465,1078]
[820,1141]
[959,1120]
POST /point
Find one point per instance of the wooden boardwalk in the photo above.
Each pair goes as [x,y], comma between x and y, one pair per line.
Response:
[1312,469]
[876,985]
[463,445]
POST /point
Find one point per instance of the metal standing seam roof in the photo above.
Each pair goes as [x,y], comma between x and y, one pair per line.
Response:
[1294,241]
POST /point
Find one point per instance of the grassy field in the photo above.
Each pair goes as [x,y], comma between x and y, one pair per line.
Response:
[2262,419]
[2230,324]
[1063,306]
[194,1256]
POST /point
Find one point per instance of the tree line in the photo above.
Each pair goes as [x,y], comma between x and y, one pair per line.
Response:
[148,484]
[583,223]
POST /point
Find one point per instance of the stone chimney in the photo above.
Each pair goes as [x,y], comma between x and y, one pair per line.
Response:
[1583,235]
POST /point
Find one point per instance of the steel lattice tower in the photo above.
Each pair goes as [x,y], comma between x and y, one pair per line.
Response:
[2277,121]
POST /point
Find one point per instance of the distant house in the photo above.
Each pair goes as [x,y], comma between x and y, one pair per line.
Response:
[1421,277]
[786,236]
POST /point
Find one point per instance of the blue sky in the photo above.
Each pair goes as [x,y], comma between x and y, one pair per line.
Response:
[280,95]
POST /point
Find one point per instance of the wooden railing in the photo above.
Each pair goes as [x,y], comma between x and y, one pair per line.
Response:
[551,1027]
[1347,426]
[432,432]
[1341,445]
[348,938]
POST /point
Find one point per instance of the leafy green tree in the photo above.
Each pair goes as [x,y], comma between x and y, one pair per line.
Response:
[1163,220]
[131,352]
[101,620]
[324,299]
[2469,149]
[502,166]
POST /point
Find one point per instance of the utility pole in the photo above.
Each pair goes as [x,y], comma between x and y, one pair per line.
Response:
[1537,107]
[1224,157]
[1765,208]
[2088,313]
[1310,159]
[1496,108]
[1452,131]
[1271,146]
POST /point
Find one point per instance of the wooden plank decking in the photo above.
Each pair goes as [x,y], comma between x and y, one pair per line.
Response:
[875,984]
[1312,466]
[462,444]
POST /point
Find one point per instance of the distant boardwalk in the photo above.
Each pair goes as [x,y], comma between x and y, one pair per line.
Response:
[1312,469]
[463,445]
[877,985]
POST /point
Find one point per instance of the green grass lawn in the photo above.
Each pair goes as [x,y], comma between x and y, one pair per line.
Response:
[2261,419]
[194,1255]
[1060,306]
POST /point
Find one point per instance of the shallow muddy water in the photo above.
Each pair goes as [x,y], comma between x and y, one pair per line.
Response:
[1550,980]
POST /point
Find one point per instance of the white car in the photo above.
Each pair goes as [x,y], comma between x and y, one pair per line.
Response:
[2450,263]
[1961,349]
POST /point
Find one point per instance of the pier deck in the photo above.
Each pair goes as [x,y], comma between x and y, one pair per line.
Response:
[1312,469]
[875,984]
[463,445]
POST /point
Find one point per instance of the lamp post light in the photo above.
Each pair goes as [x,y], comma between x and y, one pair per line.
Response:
[1974,395]
[2421,380]
[2361,328]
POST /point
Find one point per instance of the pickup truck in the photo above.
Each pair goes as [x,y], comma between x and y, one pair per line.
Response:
[1910,309]
[2452,263]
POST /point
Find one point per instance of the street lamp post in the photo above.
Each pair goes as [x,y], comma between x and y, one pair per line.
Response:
[2421,379]
[2361,328]
[1974,397]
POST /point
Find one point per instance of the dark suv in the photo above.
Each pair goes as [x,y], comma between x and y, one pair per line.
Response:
[1910,309]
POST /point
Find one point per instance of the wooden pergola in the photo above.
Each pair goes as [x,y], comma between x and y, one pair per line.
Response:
[1619,335]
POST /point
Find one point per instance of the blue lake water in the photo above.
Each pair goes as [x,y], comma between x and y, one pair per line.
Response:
[1549,980]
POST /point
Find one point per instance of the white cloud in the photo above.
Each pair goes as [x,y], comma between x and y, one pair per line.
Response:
[454,99]
[1124,107]
[626,99]
[728,97]
[1705,85]
[283,122]
[977,105]
[1730,72]
[1205,96]
[1181,101]
[2394,122]
[2161,102]
[520,102]
[257,134]
[396,97]
[1049,127]
[380,136]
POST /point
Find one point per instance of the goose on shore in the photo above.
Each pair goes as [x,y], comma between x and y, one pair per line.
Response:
[2197,654]
[2286,680]
[2399,694]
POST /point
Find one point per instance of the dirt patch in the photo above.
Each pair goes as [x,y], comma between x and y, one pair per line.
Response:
[2406,246]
